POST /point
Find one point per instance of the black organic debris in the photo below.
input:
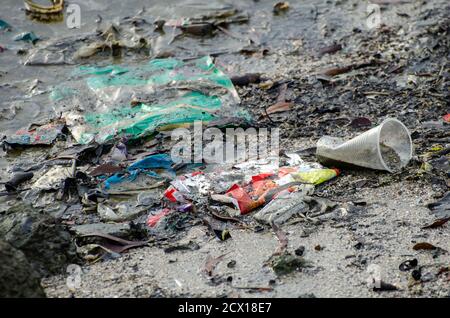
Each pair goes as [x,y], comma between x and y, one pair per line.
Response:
[408,265]
[17,179]
[287,263]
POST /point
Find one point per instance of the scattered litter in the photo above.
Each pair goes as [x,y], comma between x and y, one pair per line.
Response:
[282,239]
[124,98]
[385,147]
[56,7]
[40,135]
[145,165]
[446,118]
[280,7]
[4,25]
[416,274]
[111,243]
[27,37]
[154,219]
[53,178]
[94,157]
[17,179]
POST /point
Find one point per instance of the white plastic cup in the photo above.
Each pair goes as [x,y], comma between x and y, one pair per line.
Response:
[385,147]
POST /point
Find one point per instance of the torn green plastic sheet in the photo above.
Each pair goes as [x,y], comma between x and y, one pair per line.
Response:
[134,101]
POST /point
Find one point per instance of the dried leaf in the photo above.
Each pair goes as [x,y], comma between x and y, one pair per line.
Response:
[279,107]
[282,93]
[282,238]
[336,70]
[211,263]
[437,223]
[360,122]
[116,244]
[424,246]
[330,49]
[106,168]
[246,79]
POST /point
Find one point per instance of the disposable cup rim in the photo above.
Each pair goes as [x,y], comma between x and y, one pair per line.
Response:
[380,127]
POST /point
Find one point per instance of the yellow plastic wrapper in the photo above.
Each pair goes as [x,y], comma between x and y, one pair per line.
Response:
[316,176]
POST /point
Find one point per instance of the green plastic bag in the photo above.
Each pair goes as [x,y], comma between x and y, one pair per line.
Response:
[103,103]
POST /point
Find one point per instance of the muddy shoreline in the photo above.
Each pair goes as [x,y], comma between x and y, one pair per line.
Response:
[399,70]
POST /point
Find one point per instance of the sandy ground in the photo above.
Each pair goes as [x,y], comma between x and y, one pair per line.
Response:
[387,229]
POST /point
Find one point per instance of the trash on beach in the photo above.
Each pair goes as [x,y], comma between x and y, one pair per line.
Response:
[17,179]
[95,246]
[280,190]
[284,206]
[40,135]
[154,219]
[56,7]
[385,147]
[53,178]
[4,25]
[145,165]
[280,7]
[27,37]
[263,188]
[446,118]
[136,101]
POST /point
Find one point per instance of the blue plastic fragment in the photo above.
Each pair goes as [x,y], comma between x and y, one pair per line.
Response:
[27,37]
[153,161]
[4,25]
[159,161]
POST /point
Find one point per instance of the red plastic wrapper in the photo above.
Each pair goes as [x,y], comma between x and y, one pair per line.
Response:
[257,188]
[154,219]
